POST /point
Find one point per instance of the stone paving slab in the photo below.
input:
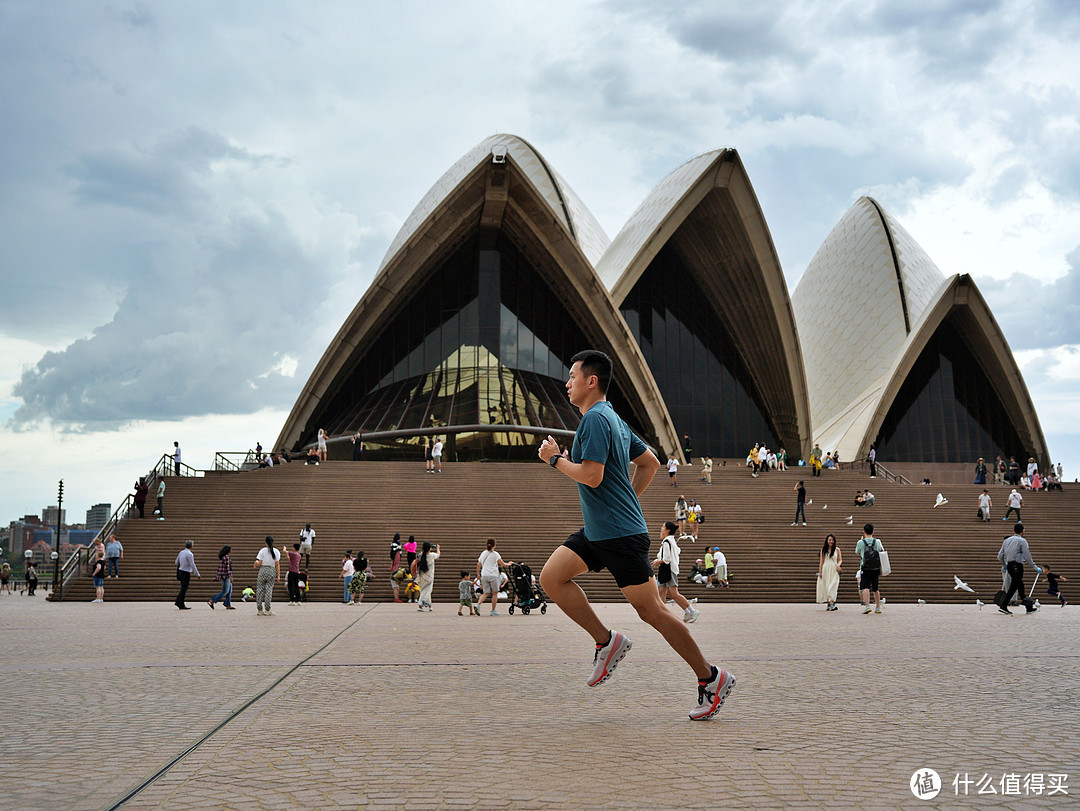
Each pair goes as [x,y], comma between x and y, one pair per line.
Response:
[405,710]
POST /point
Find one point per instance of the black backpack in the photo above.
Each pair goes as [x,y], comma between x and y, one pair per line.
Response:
[871,557]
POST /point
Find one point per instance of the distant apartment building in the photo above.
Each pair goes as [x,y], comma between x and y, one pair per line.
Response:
[48,515]
[97,516]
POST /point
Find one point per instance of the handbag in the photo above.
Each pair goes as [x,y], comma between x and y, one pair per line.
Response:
[885,567]
[663,574]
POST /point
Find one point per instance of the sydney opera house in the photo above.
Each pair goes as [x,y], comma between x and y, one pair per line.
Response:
[501,274]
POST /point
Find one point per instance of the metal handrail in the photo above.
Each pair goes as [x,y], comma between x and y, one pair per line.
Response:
[166,467]
[233,461]
[882,471]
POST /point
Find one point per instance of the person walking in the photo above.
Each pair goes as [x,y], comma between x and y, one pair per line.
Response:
[292,577]
[32,578]
[869,550]
[681,508]
[667,571]
[423,569]
[307,539]
[800,504]
[828,572]
[985,503]
[615,536]
[348,571]
[98,574]
[225,577]
[185,568]
[980,471]
[141,492]
[269,573]
[487,570]
[160,511]
[1016,501]
[114,553]
[673,470]
[361,575]
[1052,588]
[1014,553]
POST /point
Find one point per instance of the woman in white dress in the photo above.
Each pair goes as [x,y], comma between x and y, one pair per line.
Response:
[828,575]
[423,569]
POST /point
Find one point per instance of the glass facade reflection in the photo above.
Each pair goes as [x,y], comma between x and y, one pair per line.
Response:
[697,365]
[947,410]
[484,342]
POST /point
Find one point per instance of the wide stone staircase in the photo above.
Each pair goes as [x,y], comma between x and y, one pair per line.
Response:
[531,509]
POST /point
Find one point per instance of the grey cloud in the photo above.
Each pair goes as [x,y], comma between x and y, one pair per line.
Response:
[192,337]
[1034,315]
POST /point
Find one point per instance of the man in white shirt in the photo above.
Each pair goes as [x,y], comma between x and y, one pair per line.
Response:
[669,554]
[984,506]
[176,457]
[436,455]
[673,470]
[719,567]
[1016,501]
[307,537]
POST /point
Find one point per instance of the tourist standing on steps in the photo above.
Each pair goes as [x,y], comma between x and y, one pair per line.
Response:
[681,509]
[872,459]
[114,553]
[185,568]
[615,536]
[1016,501]
[1014,554]
[348,571]
[292,578]
[160,511]
[360,578]
[869,550]
[487,570]
[322,445]
[176,458]
[828,572]
[706,470]
[673,470]
[429,465]
[98,574]
[800,504]
[410,552]
[436,455]
[269,572]
[307,538]
[358,447]
[225,577]
[423,570]
[980,471]
[141,492]
[667,581]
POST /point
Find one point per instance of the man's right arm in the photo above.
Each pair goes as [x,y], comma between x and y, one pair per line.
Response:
[645,467]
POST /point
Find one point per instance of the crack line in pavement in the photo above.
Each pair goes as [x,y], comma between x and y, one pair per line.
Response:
[160,772]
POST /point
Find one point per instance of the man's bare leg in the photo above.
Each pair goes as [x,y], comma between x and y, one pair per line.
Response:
[557,580]
[645,598]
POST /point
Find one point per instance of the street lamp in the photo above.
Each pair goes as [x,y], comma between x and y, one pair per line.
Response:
[56,547]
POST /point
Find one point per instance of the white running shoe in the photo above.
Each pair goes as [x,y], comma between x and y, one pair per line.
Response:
[711,694]
[607,658]
[691,614]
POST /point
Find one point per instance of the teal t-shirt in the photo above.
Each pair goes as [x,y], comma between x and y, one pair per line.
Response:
[611,509]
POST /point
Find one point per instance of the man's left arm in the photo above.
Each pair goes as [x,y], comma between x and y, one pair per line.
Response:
[586,472]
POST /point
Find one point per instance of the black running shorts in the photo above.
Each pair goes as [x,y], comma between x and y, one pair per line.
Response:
[626,558]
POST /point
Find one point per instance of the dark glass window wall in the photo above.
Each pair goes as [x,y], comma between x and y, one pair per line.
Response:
[484,342]
[947,410]
[697,366]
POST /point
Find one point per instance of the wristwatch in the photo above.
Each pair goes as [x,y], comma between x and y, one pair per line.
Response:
[554,460]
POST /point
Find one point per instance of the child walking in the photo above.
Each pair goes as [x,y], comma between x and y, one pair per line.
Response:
[1052,585]
[465,592]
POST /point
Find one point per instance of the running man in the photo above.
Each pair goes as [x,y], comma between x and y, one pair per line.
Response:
[615,536]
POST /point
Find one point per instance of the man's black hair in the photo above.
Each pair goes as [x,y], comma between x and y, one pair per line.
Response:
[868,529]
[595,362]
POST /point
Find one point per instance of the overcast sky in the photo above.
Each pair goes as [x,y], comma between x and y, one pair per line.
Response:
[193,195]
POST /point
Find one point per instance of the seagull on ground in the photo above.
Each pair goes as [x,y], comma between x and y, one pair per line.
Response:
[825,507]
[1037,603]
[940,500]
[979,603]
[922,601]
[960,584]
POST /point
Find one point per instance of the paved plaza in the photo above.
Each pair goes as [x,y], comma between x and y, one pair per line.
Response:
[378,706]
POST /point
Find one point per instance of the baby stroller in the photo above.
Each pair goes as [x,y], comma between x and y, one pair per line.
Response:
[526,596]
